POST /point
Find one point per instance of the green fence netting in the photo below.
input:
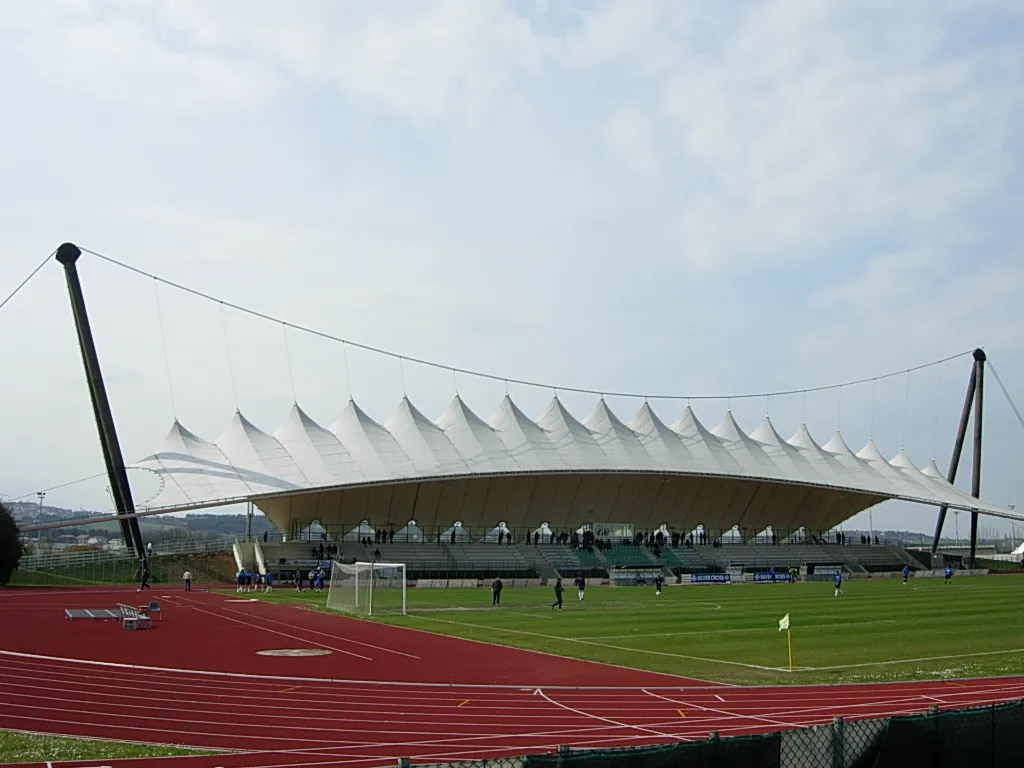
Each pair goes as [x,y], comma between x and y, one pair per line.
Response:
[753,751]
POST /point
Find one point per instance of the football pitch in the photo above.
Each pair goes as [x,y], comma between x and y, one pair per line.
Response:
[878,631]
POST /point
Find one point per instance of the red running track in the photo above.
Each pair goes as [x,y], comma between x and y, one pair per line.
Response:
[381,693]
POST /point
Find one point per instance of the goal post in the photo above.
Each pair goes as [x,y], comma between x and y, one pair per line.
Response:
[369,589]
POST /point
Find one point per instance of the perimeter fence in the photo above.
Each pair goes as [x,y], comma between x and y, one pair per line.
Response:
[984,737]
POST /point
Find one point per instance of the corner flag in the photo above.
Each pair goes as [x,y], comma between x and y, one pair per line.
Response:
[784,627]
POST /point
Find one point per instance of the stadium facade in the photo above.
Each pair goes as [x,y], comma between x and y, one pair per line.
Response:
[556,470]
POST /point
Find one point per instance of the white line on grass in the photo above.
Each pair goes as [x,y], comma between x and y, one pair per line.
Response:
[637,635]
[947,657]
[607,645]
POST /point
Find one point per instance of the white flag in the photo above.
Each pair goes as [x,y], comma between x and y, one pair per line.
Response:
[784,623]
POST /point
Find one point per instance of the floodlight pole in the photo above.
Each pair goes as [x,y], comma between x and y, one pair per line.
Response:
[68,255]
[975,396]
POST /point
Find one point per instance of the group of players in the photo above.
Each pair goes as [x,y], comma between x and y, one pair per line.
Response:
[580,583]
[245,581]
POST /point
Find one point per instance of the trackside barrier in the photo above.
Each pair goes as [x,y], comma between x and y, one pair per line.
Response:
[710,578]
[761,578]
[939,573]
[986,737]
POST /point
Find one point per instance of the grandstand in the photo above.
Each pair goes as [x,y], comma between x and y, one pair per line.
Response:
[483,560]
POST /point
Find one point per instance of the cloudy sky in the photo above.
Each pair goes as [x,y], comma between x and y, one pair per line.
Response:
[693,198]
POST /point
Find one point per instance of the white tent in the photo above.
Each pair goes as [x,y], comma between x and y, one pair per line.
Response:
[683,473]
[461,534]
[361,531]
[410,533]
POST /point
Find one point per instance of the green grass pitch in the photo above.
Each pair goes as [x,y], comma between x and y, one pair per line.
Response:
[879,631]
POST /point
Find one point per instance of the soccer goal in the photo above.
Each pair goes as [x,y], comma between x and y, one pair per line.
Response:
[370,589]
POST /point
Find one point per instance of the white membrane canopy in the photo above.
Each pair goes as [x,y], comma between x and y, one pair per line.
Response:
[557,470]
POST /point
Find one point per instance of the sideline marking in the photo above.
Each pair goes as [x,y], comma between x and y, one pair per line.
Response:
[946,657]
[736,715]
[608,645]
[268,620]
[274,631]
[637,636]
[616,723]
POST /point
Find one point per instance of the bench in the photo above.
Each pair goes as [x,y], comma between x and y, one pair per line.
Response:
[132,618]
[100,614]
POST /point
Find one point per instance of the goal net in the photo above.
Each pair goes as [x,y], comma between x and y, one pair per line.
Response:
[370,589]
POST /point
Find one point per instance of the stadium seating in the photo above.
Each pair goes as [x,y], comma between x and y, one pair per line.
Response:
[626,555]
[486,560]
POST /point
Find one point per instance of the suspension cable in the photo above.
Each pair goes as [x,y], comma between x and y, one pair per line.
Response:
[508,379]
[1006,394]
[25,282]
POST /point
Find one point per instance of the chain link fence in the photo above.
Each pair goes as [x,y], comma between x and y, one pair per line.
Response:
[206,568]
[986,737]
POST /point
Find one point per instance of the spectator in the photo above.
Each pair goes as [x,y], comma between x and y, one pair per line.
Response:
[188,581]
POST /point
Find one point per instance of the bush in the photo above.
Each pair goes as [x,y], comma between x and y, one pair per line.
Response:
[11,546]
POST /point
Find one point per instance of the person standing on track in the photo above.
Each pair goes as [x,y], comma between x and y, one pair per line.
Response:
[188,581]
[145,579]
[496,591]
[558,595]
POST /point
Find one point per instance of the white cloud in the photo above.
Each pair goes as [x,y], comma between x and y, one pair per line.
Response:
[121,58]
[629,133]
[424,60]
[811,123]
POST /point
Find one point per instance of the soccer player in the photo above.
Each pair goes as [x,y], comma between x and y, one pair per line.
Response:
[657,584]
[949,574]
[906,574]
[839,585]
[558,595]
[496,591]
[581,583]
[269,582]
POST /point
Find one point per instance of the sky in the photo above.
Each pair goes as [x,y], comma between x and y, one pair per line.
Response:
[696,198]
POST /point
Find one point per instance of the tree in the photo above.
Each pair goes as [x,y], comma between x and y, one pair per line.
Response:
[11,546]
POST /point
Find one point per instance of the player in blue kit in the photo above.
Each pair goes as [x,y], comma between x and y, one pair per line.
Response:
[949,574]
[839,585]
[906,573]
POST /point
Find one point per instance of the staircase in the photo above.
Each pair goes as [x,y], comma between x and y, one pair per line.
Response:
[534,556]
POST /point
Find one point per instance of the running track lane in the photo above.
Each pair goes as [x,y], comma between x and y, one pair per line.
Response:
[366,725]
[362,723]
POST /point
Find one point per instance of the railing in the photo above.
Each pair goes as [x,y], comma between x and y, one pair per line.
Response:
[84,557]
[208,568]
